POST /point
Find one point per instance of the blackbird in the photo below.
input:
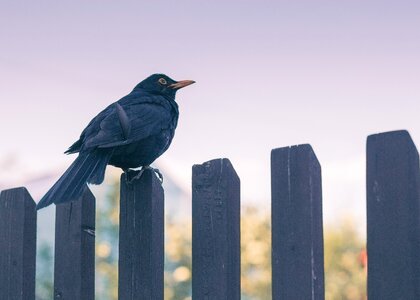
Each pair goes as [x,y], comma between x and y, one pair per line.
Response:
[129,133]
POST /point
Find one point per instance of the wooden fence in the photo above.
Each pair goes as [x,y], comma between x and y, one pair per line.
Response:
[393,231]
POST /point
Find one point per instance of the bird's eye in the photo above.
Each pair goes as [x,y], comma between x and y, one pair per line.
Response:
[162,81]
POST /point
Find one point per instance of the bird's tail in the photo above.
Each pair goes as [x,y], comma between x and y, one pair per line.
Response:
[87,168]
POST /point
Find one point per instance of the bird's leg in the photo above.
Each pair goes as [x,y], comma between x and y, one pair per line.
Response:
[140,173]
[156,170]
[131,175]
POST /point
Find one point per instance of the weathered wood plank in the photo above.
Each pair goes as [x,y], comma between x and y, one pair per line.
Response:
[74,263]
[141,245]
[393,216]
[216,231]
[297,231]
[17,245]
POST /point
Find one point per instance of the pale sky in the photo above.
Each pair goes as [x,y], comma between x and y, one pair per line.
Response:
[269,74]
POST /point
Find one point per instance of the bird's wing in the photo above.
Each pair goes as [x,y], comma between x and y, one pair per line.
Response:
[124,120]
[129,121]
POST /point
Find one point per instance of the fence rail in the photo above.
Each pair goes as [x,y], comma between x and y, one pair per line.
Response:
[393,230]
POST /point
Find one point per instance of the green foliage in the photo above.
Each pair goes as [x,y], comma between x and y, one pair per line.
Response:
[255,254]
[345,263]
[177,260]
[44,270]
[106,256]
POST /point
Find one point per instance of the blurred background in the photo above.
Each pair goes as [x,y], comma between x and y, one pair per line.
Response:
[269,74]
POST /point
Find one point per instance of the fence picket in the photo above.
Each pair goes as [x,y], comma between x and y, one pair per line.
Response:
[393,216]
[297,238]
[17,244]
[74,262]
[216,231]
[141,245]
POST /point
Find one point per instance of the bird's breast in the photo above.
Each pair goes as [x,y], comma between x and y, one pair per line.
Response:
[142,152]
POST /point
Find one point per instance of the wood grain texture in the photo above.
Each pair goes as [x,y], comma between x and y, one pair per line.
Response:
[297,231]
[74,263]
[18,220]
[393,217]
[216,231]
[141,245]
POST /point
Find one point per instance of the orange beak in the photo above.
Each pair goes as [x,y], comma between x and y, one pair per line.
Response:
[180,84]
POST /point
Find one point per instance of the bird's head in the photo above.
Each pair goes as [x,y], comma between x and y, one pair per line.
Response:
[162,84]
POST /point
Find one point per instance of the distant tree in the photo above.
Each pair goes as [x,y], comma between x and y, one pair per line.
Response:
[44,270]
[345,263]
[255,254]
[106,256]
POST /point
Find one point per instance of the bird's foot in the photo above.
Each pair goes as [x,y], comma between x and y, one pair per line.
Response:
[133,175]
[158,174]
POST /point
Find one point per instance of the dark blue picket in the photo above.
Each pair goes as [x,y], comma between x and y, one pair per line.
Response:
[393,217]
[296,213]
[17,245]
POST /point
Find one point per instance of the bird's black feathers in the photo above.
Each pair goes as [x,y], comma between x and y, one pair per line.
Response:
[146,114]
[124,121]
[154,84]
[129,133]
[87,168]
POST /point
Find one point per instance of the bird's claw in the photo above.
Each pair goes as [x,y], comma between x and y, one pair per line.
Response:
[133,175]
[158,174]
[139,173]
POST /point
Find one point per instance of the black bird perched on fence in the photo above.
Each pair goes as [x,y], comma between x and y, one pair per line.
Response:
[129,133]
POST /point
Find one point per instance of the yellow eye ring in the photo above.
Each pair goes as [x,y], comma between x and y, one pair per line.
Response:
[162,81]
